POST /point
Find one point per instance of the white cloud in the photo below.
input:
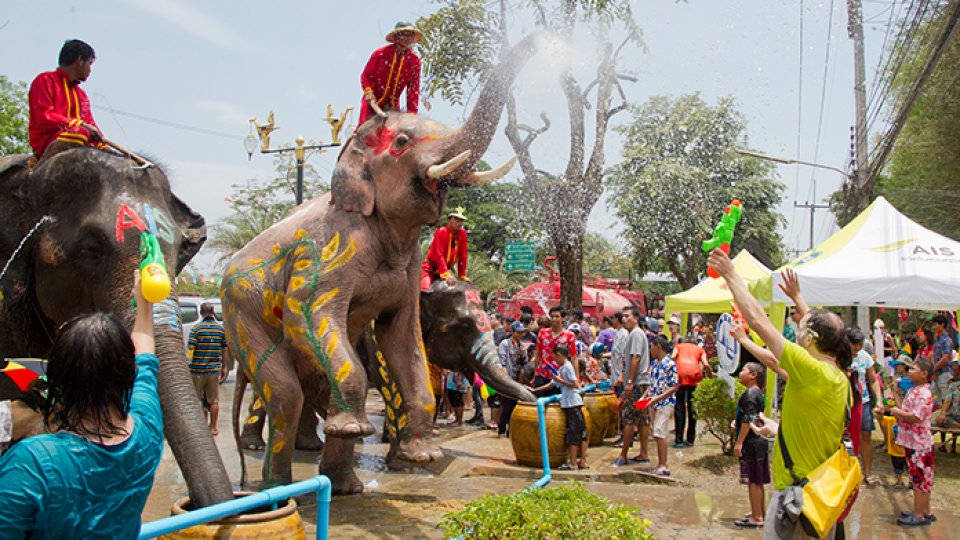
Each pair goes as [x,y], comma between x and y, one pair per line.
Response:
[189,19]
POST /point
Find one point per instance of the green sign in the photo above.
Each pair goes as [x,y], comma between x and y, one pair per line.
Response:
[519,257]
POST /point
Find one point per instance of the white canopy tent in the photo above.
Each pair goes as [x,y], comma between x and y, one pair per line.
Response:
[881,258]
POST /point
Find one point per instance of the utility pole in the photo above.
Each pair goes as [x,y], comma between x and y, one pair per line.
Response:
[813,208]
[863,184]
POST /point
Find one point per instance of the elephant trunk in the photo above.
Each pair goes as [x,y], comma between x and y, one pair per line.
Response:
[485,361]
[477,132]
[183,421]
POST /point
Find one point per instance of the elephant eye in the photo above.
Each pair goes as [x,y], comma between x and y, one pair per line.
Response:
[400,141]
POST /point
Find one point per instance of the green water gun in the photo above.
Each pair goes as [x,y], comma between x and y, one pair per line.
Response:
[154,281]
[723,232]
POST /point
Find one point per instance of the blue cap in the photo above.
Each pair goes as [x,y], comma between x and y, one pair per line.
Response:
[598,349]
[517,326]
[653,324]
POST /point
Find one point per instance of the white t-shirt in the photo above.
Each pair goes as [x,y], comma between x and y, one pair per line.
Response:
[618,354]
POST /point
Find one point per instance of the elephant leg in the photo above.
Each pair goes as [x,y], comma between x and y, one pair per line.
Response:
[337,465]
[399,339]
[307,438]
[284,403]
[252,436]
[327,348]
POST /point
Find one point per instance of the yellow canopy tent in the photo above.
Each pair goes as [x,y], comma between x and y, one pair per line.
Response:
[712,296]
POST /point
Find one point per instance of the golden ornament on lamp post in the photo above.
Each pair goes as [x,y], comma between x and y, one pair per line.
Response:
[300,150]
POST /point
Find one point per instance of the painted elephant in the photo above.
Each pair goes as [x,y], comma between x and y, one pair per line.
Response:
[299,296]
[456,336]
[77,218]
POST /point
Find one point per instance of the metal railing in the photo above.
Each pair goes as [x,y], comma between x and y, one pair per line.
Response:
[270,497]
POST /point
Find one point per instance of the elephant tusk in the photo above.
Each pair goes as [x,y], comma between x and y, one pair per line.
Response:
[436,172]
[485,177]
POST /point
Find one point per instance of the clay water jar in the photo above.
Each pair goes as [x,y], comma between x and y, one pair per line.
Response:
[525,433]
[599,405]
[284,523]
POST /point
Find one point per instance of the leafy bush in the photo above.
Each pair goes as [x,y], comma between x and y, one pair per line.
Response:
[716,410]
[567,511]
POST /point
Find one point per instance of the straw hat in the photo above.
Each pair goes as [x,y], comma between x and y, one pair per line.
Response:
[404,26]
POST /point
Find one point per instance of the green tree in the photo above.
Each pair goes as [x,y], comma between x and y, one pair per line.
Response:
[14,119]
[495,214]
[601,258]
[679,171]
[922,176]
[565,197]
[258,204]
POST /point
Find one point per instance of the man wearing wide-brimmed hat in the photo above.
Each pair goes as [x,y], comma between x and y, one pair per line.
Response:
[390,71]
[448,249]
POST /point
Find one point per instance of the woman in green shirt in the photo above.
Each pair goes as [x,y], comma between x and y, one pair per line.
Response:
[817,390]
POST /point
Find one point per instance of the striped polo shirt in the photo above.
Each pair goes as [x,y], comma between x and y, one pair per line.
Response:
[208,341]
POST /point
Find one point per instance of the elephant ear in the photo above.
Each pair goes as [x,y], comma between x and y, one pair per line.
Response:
[352,181]
[193,229]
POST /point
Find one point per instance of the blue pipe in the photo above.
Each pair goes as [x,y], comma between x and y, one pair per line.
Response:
[544,451]
[320,484]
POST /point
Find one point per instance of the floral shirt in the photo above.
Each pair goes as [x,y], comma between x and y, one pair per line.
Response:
[917,436]
[546,341]
[663,377]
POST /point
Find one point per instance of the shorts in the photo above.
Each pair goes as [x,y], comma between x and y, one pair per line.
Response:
[662,421]
[207,386]
[632,415]
[866,421]
[495,401]
[455,397]
[920,468]
[576,426]
[755,470]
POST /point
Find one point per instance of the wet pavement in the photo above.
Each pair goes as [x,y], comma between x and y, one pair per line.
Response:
[700,500]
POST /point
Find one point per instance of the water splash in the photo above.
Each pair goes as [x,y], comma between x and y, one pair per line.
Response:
[43,220]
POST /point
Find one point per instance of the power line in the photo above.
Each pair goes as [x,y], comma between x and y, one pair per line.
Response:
[168,123]
[823,100]
[796,181]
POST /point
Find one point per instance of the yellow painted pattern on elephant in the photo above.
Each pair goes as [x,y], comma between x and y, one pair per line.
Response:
[331,248]
[343,258]
[299,234]
[273,307]
[278,446]
[323,299]
[322,327]
[344,371]
[296,282]
[302,264]
[332,346]
[295,306]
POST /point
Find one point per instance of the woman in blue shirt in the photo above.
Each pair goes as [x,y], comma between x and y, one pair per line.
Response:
[90,476]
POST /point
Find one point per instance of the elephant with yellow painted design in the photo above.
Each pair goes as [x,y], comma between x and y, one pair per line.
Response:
[299,296]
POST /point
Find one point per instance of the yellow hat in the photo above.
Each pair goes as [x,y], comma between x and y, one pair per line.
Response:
[457,213]
[404,26]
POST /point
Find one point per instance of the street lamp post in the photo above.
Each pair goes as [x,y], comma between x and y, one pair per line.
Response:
[300,150]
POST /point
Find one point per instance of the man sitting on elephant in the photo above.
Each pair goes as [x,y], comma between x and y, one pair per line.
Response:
[60,114]
[448,248]
[390,71]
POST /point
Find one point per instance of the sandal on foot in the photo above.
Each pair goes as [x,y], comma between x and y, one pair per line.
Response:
[582,465]
[662,472]
[638,459]
[566,467]
[748,523]
[912,521]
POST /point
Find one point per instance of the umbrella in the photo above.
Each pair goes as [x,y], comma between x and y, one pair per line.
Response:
[16,374]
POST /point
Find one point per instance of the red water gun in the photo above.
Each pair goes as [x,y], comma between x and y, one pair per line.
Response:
[723,232]
[738,318]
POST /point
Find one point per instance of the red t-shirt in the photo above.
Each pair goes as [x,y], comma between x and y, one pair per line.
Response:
[546,341]
[687,356]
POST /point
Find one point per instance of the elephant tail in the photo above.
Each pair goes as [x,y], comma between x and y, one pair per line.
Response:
[238,391]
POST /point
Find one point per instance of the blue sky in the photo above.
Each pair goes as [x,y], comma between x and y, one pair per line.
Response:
[212,65]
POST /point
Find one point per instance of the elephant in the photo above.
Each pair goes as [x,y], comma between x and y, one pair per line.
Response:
[70,244]
[456,336]
[298,297]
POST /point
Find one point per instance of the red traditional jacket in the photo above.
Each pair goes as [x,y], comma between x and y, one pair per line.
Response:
[387,74]
[447,249]
[58,107]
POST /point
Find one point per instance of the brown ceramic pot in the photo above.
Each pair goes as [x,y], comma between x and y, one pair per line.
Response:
[284,523]
[525,434]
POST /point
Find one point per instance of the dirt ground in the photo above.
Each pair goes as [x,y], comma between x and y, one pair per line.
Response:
[701,499]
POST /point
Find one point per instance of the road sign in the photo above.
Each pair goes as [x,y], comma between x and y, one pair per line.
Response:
[519,257]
